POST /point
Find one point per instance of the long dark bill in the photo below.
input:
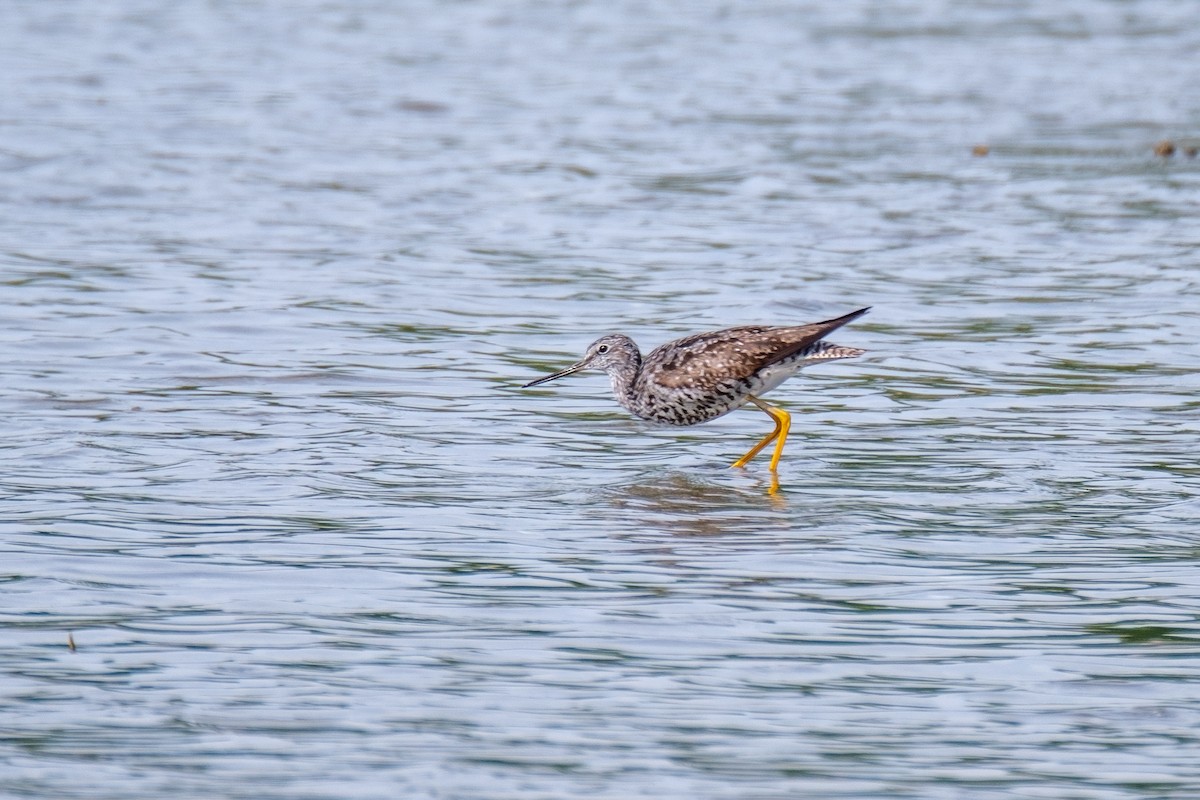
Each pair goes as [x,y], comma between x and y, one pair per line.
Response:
[555,376]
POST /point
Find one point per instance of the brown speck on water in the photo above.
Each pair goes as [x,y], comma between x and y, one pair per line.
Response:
[422,106]
[70,642]
[1164,149]
[980,150]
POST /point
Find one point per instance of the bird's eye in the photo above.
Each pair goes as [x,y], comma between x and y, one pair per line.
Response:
[602,349]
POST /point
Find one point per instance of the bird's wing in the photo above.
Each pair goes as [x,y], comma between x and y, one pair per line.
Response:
[705,360]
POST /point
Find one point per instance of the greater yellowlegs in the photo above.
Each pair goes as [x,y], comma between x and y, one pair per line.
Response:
[707,375]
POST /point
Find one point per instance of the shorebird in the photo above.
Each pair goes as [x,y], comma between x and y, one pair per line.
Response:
[704,376]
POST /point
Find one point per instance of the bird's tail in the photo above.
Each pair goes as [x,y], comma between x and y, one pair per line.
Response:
[827,351]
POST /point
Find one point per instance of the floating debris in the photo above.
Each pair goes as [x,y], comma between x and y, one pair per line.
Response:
[422,106]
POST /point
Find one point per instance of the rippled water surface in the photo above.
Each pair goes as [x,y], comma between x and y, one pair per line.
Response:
[278,521]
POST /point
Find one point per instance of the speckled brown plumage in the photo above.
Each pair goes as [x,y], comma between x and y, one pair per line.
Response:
[707,375]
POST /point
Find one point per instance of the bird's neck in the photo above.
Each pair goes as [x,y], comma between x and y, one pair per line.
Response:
[624,379]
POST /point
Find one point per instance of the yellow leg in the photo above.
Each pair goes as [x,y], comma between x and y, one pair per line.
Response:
[783,423]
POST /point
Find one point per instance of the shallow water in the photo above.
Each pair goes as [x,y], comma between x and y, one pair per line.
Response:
[271,280]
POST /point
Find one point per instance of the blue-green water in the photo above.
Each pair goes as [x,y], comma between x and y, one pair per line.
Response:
[270,279]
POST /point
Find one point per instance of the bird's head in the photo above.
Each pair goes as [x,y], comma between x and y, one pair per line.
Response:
[610,353]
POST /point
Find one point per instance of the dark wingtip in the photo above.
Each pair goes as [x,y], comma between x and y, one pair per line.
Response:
[830,325]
